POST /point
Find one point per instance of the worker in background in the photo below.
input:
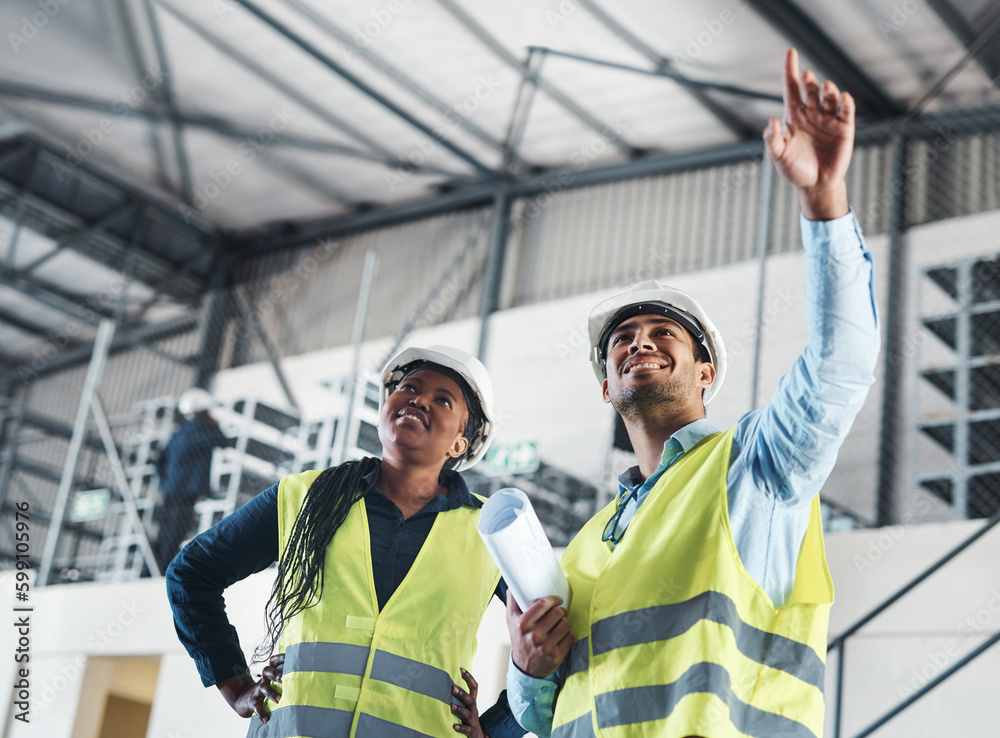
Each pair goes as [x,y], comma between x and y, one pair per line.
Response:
[184,468]
[700,597]
[382,577]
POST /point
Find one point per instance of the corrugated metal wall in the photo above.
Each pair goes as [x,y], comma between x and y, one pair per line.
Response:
[561,244]
[306,299]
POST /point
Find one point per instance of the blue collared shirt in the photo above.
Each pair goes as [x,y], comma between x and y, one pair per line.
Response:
[783,452]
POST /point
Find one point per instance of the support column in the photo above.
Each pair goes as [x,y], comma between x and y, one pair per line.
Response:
[357,338]
[893,324]
[212,324]
[10,432]
[494,266]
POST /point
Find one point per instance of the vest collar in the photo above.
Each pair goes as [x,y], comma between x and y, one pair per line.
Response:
[688,437]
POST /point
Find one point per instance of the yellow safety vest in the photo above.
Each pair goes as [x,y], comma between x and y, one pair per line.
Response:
[674,637]
[351,670]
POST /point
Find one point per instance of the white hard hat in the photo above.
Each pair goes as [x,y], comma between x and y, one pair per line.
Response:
[194,401]
[655,297]
[466,366]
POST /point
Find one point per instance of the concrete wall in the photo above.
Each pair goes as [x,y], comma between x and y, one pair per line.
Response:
[922,635]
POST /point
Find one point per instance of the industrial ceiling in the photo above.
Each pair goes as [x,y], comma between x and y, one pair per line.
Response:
[141,141]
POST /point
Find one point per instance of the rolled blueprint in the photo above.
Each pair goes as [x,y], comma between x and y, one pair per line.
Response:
[514,537]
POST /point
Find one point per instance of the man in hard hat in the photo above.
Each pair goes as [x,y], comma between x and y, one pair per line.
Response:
[184,468]
[700,597]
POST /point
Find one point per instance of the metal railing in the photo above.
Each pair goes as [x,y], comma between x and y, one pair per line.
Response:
[838,642]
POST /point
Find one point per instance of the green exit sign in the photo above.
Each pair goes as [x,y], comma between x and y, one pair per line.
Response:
[511,458]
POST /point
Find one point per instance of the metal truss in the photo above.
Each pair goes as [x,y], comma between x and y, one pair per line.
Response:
[802,31]
[727,117]
[988,56]
[365,88]
[554,92]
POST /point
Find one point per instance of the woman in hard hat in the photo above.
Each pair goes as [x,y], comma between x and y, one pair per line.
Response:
[371,625]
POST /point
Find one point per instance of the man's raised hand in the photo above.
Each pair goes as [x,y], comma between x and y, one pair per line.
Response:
[811,145]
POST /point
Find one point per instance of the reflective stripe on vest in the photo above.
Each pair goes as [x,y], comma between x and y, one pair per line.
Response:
[669,621]
[389,670]
[327,722]
[298,720]
[579,657]
[345,658]
[582,727]
[670,625]
[656,702]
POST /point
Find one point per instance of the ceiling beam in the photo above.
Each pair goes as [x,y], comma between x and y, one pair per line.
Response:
[374,151]
[126,337]
[736,125]
[178,272]
[605,130]
[54,212]
[166,93]
[805,34]
[666,74]
[140,68]
[988,57]
[482,194]
[942,83]
[365,88]
[66,303]
[293,170]
[399,76]
[929,126]
[98,225]
[25,326]
[171,211]
[282,86]
[210,123]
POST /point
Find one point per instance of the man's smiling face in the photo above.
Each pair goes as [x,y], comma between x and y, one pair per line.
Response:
[651,360]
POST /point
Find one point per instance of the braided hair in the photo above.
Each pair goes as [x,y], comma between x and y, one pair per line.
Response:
[299,582]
